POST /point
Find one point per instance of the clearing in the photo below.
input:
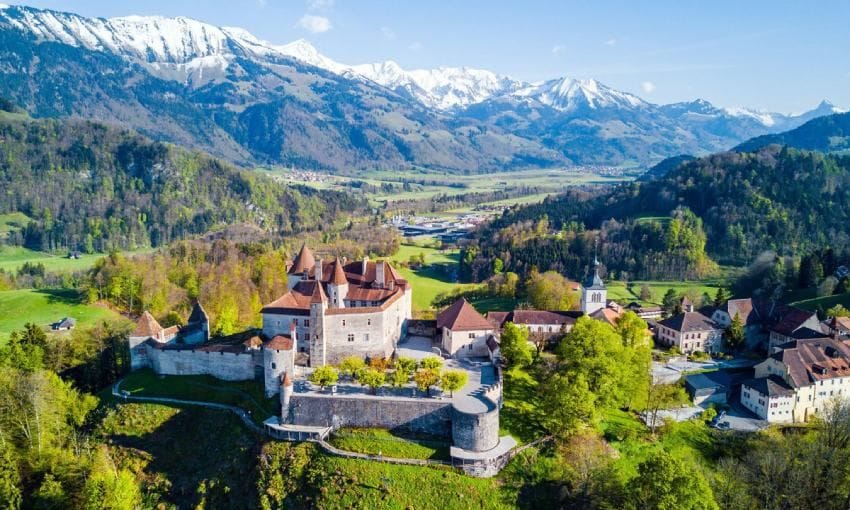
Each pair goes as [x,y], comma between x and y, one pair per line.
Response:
[44,307]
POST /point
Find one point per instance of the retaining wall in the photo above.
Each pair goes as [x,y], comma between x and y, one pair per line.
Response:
[425,415]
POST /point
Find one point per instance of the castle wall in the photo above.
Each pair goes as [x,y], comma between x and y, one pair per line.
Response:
[138,353]
[223,365]
[466,344]
[417,415]
[280,324]
[373,334]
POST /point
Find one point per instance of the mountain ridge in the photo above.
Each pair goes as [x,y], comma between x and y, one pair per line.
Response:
[223,90]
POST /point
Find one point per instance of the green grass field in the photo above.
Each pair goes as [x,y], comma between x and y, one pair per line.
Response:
[43,307]
[384,442]
[824,303]
[623,295]
[13,257]
[435,277]
[248,395]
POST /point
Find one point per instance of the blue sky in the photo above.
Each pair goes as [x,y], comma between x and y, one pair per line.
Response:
[781,55]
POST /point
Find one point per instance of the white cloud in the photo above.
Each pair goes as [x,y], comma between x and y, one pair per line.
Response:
[320,5]
[388,33]
[315,24]
[647,87]
[558,49]
[610,42]
[415,46]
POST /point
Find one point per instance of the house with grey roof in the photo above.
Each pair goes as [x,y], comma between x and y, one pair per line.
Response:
[690,332]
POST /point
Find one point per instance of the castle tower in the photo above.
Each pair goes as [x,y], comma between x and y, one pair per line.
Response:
[318,306]
[337,286]
[301,266]
[594,294]
[286,389]
[197,329]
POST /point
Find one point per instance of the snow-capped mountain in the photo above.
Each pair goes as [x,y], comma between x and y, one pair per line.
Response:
[233,94]
[443,88]
[567,94]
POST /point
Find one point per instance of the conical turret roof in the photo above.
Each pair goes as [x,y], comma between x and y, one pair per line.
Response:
[303,262]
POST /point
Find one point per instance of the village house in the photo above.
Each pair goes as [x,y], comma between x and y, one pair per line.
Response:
[543,326]
[770,398]
[65,324]
[814,370]
[645,312]
[690,332]
[463,332]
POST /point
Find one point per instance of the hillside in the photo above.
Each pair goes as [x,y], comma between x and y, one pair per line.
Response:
[90,187]
[224,91]
[830,133]
[730,206]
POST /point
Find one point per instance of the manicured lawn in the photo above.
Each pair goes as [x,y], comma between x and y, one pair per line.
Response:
[384,442]
[248,395]
[43,307]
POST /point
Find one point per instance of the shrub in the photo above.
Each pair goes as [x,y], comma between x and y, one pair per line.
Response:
[426,378]
[431,363]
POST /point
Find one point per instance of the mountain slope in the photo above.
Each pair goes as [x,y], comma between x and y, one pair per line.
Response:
[732,205]
[224,91]
[825,134]
[89,186]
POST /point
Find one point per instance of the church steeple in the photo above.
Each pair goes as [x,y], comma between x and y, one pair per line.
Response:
[594,294]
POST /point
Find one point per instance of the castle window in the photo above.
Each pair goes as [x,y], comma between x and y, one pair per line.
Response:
[368,322]
[351,337]
[472,335]
[306,323]
[274,366]
[343,322]
[366,337]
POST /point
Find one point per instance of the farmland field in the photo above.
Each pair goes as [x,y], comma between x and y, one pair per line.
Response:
[623,295]
[13,257]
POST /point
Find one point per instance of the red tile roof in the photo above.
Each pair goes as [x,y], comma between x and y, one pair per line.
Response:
[279,343]
[303,262]
[462,316]
[147,326]
[813,360]
[338,275]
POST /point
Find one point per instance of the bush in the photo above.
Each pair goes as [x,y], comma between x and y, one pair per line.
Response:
[431,363]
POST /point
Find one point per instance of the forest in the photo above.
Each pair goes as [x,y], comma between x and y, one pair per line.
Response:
[726,208]
[93,188]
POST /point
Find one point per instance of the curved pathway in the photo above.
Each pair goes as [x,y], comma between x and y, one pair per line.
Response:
[238,411]
[327,447]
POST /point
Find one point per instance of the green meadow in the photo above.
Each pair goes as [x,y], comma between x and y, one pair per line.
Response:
[43,307]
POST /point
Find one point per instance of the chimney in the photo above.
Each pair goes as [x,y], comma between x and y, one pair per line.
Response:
[379,273]
[365,265]
[318,271]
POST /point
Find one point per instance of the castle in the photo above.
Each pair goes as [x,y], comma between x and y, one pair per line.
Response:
[341,308]
[331,310]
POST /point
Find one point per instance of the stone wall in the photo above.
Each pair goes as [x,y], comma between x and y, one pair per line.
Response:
[223,365]
[416,415]
[477,432]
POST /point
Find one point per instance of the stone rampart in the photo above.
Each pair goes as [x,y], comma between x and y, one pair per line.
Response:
[401,414]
